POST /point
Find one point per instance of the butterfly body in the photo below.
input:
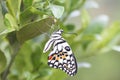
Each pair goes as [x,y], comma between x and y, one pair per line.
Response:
[61,55]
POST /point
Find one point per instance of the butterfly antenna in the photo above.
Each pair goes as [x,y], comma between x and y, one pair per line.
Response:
[71,33]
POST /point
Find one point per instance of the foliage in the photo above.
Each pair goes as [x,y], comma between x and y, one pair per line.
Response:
[23,38]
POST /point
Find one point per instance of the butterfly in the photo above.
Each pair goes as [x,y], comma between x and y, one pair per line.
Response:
[61,55]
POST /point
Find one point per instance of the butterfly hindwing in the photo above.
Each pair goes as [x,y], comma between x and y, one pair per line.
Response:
[63,59]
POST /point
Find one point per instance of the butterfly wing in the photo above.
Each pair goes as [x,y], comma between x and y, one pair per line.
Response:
[48,45]
[62,58]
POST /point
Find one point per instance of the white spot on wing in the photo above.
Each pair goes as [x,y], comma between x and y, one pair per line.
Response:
[61,60]
[65,61]
[50,65]
[68,57]
[68,65]
[56,63]
[52,61]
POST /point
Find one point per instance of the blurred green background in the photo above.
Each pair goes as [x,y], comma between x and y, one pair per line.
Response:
[105,66]
[96,46]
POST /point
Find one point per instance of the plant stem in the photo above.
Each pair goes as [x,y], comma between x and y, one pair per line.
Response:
[6,72]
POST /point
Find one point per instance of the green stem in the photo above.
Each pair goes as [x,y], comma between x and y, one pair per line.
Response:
[6,72]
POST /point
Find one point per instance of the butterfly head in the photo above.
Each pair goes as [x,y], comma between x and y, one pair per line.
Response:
[59,31]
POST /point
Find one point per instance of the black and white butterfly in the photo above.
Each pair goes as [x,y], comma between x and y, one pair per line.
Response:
[61,56]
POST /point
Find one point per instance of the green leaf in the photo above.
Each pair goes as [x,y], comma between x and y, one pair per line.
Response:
[3,61]
[57,10]
[28,3]
[10,22]
[34,29]
[85,18]
[30,14]
[76,4]
[14,7]
[106,37]
[70,27]
[6,31]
